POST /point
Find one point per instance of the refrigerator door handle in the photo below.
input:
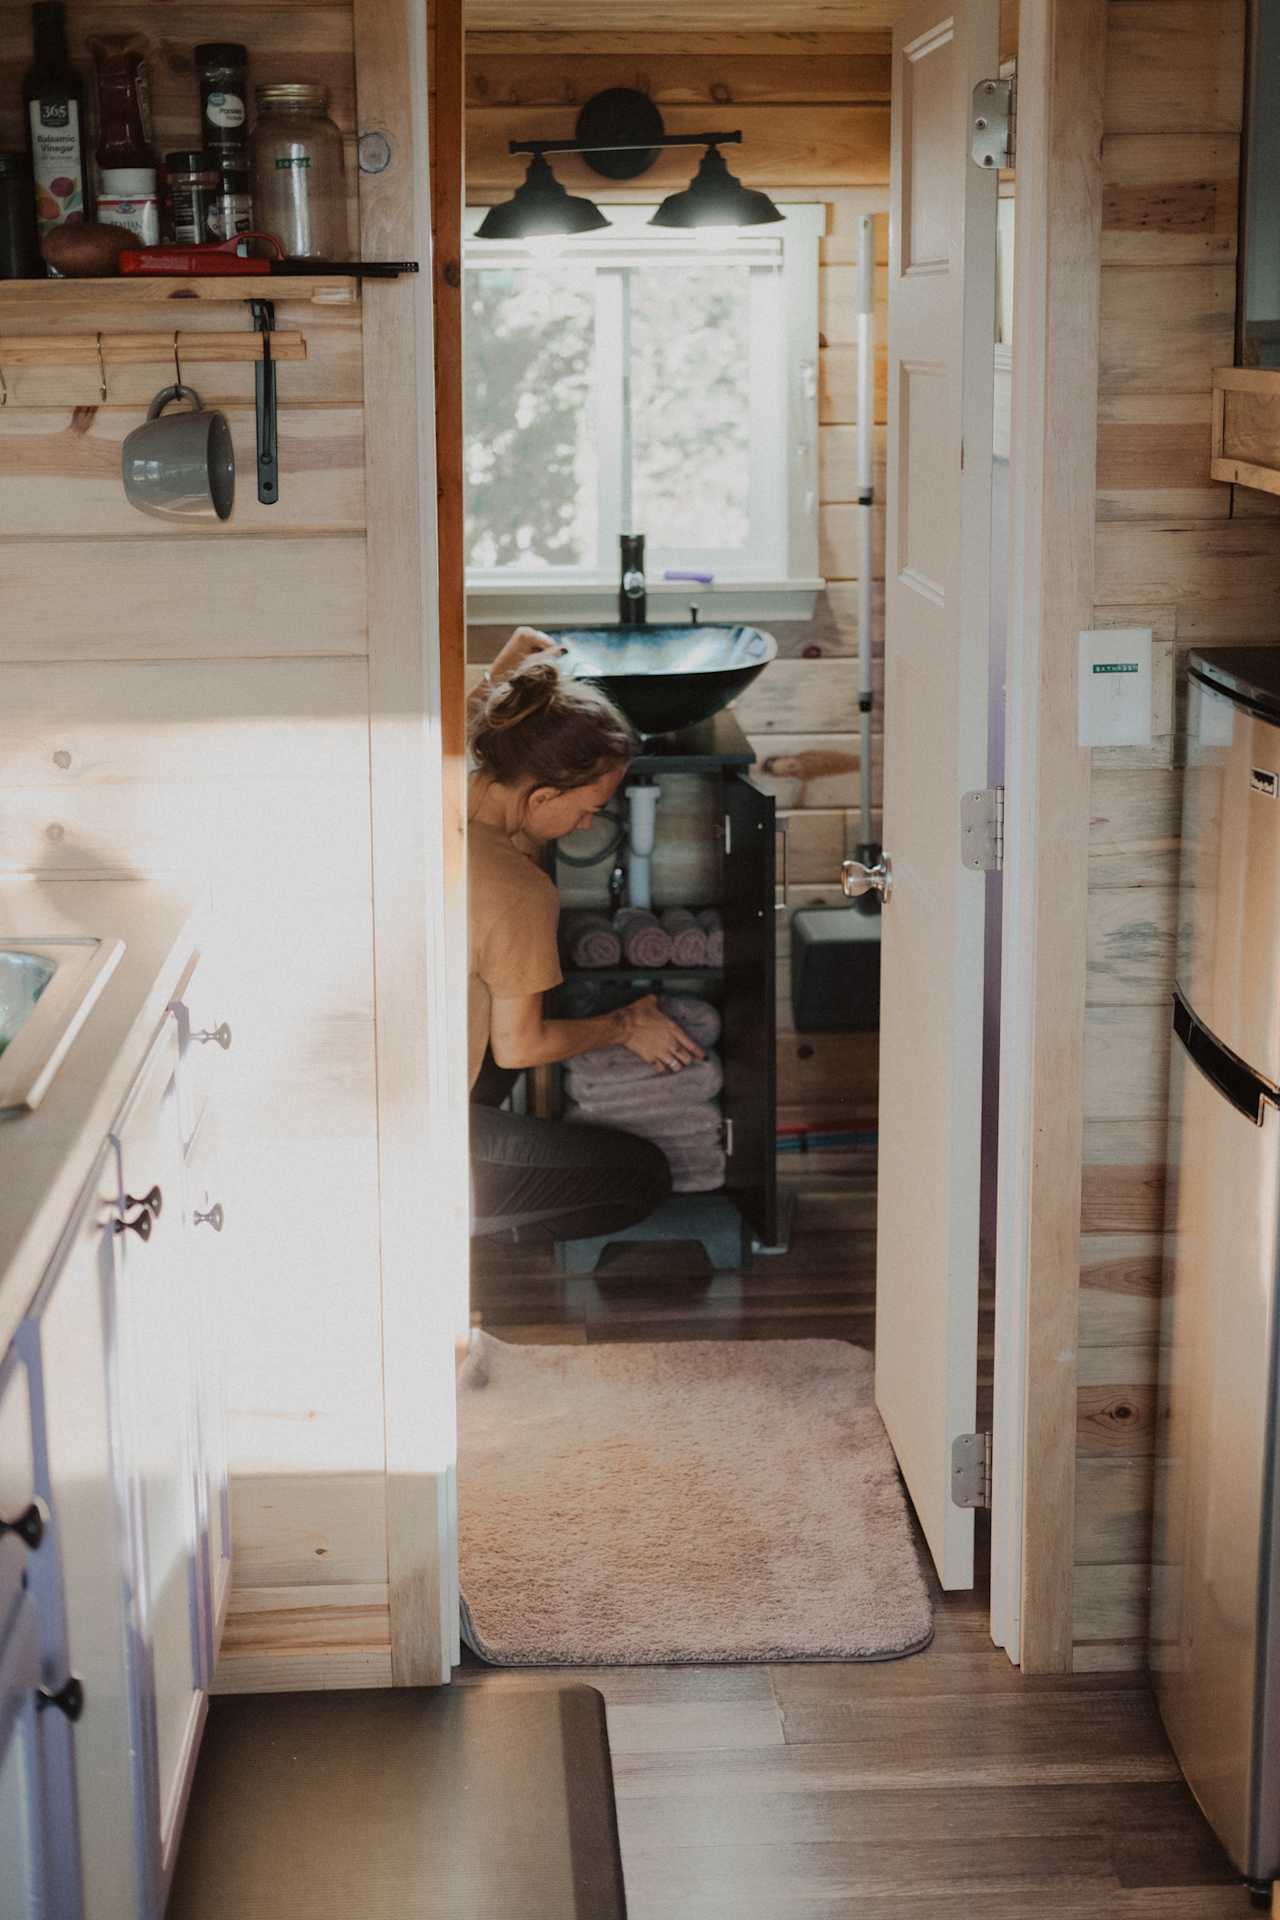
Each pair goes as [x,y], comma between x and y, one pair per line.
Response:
[1234,1080]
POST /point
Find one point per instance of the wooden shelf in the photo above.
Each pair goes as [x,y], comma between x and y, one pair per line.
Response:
[644,973]
[124,291]
[1245,449]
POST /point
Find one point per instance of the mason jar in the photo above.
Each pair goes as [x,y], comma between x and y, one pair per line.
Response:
[299,193]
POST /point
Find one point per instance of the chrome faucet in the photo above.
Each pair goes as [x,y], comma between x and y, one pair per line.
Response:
[632,598]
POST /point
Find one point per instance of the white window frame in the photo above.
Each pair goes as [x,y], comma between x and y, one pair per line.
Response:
[778,585]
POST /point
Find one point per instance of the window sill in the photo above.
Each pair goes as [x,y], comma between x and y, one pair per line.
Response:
[554,604]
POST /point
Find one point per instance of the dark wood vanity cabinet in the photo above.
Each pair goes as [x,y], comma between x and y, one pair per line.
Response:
[749,1008]
[745,987]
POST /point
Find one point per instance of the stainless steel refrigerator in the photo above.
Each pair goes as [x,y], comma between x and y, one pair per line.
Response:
[1216,1548]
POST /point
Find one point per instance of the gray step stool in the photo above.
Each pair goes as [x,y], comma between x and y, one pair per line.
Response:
[710,1218]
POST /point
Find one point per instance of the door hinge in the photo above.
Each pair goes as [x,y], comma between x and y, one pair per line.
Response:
[971,1470]
[982,829]
[992,124]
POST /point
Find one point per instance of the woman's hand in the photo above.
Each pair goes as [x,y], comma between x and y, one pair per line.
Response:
[523,644]
[649,1033]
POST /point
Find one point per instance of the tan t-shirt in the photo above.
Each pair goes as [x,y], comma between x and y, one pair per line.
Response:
[514,909]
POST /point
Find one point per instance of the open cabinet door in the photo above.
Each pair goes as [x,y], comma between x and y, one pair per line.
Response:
[937,609]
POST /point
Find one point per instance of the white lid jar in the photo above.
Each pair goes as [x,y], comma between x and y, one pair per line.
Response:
[299,185]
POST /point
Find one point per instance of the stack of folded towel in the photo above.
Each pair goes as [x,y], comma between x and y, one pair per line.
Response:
[679,1112]
[676,937]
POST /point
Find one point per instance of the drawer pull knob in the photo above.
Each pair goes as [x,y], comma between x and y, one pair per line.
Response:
[69,1698]
[141,1226]
[220,1035]
[28,1526]
[152,1201]
[212,1219]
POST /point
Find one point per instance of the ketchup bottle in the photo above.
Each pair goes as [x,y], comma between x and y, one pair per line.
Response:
[127,193]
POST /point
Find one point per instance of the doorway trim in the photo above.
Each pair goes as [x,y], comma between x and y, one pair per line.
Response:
[1058,224]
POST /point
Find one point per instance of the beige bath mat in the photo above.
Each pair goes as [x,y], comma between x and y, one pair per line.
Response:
[624,1505]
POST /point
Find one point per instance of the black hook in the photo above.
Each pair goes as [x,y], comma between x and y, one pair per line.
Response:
[264,387]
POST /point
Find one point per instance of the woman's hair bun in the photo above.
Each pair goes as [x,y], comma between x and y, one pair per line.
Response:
[538,728]
[532,689]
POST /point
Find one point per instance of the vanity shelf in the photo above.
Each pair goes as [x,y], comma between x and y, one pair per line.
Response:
[1245,449]
[119,292]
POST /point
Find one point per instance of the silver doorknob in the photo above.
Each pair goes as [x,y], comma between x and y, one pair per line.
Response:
[857,879]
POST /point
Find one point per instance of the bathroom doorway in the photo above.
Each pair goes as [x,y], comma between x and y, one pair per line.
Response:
[822,1276]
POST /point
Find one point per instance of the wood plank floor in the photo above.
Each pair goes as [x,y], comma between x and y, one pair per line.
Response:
[945,1785]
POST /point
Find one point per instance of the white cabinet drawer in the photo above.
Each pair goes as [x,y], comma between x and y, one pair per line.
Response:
[158,1401]
[205,1037]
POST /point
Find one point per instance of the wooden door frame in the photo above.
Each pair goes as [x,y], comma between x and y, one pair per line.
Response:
[1058,223]
[419,903]
[416,701]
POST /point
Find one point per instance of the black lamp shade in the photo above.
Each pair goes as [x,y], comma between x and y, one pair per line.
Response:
[540,206]
[715,198]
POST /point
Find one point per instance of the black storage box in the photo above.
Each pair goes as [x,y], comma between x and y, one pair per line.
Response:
[835,970]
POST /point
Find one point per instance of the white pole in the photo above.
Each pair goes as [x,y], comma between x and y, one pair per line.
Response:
[866,420]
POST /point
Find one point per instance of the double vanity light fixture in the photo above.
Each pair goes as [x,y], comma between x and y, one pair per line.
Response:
[621,133]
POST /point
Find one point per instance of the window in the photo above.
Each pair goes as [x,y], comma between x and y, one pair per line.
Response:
[646,382]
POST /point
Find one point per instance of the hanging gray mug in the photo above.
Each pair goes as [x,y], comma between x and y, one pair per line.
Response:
[180,465]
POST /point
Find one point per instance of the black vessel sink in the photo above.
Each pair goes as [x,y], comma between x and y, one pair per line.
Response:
[667,677]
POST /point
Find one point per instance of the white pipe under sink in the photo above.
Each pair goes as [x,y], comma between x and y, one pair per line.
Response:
[642,810]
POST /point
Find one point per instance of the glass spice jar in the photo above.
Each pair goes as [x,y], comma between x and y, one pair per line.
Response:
[299,193]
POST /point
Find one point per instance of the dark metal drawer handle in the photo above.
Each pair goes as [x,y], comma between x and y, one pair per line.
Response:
[213,1218]
[152,1201]
[69,1698]
[220,1035]
[28,1526]
[141,1226]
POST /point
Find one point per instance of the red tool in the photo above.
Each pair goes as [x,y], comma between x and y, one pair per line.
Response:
[217,257]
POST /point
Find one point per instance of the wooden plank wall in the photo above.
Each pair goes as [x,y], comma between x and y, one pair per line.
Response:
[814,113]
[1199,563]
[198,701]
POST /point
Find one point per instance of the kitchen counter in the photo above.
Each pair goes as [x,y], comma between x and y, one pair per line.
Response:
[47,1155]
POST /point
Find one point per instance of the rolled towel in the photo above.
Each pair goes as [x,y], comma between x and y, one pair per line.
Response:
[644,943]
[589,940]
[656,1093]
[712,925]
[688,939]
[700,1020]
[701,1123]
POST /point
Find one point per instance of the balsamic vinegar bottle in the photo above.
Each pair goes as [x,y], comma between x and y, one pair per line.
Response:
[57,137]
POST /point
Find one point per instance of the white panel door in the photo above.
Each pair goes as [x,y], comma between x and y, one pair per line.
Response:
[937,609]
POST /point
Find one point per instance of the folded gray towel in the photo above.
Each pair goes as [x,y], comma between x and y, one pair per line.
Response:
[700,1020]
[688,939]
[712,925]
[701,1124]
[701,1170]
[606,1067]
[654,1093]
[643,941]
[589,940]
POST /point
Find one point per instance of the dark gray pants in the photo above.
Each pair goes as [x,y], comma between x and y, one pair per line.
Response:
[539,1180]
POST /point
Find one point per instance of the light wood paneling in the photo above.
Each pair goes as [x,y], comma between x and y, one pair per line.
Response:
[330,375]
[1174,66]
[199,596]
[702,72]
[1169,556]
[780,143]
[1169,200]
[1194,331]
[62,466]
